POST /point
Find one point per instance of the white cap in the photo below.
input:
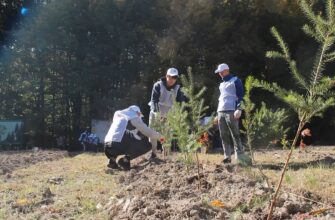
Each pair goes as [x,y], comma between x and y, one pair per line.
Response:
[172,72]
[222,67]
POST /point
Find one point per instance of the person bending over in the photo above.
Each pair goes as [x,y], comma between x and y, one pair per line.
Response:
[128,138]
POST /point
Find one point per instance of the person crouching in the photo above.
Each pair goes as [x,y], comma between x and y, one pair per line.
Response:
[128,138]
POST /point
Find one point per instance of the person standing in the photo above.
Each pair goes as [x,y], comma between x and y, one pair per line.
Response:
[229,112]
[83,139]
[127,138]
[164,93]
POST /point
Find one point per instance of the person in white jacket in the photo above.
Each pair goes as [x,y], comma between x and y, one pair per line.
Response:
[128,136]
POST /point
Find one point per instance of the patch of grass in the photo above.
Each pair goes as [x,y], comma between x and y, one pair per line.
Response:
[210,158]
[258,201]
[83,176]
[88,205]
[319,180]
[238,212]
[187,159]
[252,174]
[2,213]
[311,181]
[205,202]
[288,178]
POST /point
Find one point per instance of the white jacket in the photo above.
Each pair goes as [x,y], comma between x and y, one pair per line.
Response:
[121,120]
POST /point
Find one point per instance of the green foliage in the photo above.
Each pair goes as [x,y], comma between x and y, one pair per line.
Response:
[269,124]
[317,95]
[284,142]
[261,125]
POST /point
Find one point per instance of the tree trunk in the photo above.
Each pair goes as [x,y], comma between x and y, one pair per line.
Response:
[274,198]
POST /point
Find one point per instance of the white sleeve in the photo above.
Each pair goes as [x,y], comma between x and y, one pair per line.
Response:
[144,129]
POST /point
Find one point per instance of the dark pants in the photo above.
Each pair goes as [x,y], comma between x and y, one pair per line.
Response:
[129,145]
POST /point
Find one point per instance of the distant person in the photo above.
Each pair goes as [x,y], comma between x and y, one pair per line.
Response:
[164,93]
[229,112]
[93,141]
[127,138]
[84,139]
[306,138]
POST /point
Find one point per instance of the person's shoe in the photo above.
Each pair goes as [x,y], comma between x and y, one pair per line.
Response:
[112,165]
[123,162]
[226,160]
[152,156]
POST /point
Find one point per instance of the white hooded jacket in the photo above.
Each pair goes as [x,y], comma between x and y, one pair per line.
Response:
[120,122]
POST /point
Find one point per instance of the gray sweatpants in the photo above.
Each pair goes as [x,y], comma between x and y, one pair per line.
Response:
[230,134]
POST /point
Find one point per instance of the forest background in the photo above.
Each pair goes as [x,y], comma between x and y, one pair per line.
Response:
[65,62]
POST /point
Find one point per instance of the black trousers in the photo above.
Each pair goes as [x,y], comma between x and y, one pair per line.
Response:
[129,145]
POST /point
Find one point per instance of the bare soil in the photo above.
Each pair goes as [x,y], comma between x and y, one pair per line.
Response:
[13,160]
[171,190]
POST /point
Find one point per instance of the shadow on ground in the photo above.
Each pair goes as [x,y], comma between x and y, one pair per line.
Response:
[327,161]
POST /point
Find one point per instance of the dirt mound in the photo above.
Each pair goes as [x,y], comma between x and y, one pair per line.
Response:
[12,160]
[170,190]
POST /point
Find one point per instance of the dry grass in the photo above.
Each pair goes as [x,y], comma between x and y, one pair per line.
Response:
[308,173]
[84,184]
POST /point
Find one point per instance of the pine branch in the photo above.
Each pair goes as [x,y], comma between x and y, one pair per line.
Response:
[293,99]
[286,56]
[274,54]
[330,9]
[307,9]
[281,43]
[317,71]
[321,106]
[329,57]
[324,86]
[310,32]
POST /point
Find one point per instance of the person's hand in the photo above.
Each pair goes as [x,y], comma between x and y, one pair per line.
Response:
[155,114]
[237,113]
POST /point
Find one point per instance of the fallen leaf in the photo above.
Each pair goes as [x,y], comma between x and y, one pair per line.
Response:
[217,203]
[22,202]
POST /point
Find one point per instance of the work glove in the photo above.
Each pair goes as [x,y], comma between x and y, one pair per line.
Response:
[136,136]
[157,115]
[237,113]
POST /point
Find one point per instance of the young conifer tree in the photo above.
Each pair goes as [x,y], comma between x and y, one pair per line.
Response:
[196,109]
[316,96]
[261,123]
